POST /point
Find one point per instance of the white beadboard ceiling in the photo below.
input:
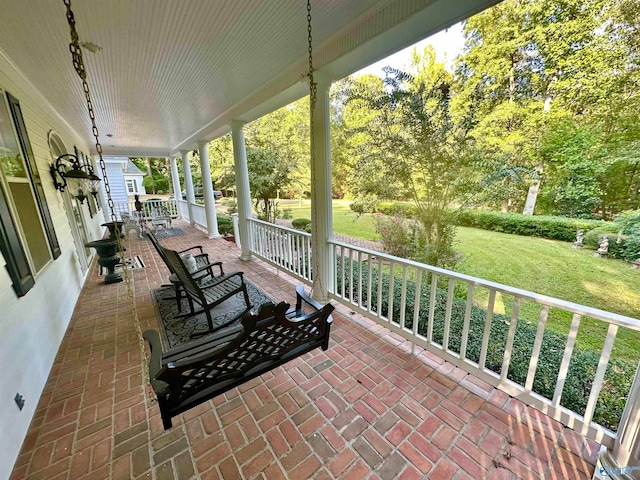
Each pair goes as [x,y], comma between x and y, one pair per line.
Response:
[174,71]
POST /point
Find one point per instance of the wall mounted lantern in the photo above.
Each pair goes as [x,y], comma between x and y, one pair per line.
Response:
[94,184]
[70,171]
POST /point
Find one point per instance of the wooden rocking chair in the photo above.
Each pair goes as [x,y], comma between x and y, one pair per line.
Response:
[209,292]
[203,266]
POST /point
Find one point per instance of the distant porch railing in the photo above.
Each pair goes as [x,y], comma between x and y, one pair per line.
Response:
[149,208]
[459,317]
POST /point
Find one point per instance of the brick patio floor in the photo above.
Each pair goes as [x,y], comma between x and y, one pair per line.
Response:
[366,408]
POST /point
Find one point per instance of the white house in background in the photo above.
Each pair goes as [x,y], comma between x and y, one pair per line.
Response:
[125,179]
[133,179]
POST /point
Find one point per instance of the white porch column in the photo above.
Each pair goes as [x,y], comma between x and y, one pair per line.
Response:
[625,453]
[188,184]
[207,189]
[242,186]
[175,180]
[321,214]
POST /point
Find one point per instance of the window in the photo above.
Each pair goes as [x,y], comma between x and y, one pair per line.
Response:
[27,237]
[131,185]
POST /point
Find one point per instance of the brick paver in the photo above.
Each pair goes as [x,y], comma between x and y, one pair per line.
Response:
[366,408]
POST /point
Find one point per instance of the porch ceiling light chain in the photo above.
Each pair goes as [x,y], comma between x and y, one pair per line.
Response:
[313,97]
[78,64]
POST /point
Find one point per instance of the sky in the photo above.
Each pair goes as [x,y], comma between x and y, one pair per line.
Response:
[447,44]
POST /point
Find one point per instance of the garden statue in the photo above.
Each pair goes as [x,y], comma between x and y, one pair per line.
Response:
[579,238]
[137,203]
[604,247]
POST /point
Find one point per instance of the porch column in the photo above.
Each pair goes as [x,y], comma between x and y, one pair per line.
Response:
[242,186]
[321,215]
[188,184]
[175,180]
[625,453]
[207,189]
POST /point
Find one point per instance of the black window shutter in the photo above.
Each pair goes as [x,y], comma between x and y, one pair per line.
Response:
[12,251]
[16,113]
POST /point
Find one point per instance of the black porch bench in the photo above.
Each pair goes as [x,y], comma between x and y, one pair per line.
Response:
[270,337]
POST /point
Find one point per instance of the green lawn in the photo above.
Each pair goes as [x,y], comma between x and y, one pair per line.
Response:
[539,265]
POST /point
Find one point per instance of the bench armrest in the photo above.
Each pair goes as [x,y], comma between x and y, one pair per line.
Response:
[303,297]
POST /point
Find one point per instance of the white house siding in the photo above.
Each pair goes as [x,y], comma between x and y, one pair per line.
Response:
[140,190]
[32,327]
[118,188]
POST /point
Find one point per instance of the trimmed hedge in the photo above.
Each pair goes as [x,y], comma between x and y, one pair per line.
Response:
[582,367]
[225,225]
[554,228]
[301,223]
[401,209]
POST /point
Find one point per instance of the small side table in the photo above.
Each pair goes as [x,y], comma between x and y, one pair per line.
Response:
[163,221]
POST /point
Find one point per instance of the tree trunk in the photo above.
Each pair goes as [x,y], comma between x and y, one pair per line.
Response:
[153,185]
[167,163]
[532,195]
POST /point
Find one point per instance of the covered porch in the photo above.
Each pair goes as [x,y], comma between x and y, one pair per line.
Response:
[386,400]
[368,407]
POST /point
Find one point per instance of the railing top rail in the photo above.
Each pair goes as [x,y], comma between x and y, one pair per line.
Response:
[280,227]
[614,318]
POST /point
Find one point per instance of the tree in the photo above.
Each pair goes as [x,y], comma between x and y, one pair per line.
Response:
[526,61]
[356,157]
[158,173]
[286,131]
[267,175]
[416,141]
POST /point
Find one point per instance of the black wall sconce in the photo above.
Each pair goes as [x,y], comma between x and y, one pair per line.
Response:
[70,171]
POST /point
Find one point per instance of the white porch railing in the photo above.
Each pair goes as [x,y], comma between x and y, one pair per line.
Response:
[287,249]
[149,207]
[373,284]
[183,208]
[199,214]
[439,311]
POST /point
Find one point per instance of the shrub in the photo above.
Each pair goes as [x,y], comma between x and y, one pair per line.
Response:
[357,208]
[555,228]
[629,224]
[582,368]
[287,213]
[300,223]
[401,209]
[226,201]
[625,247]
[225,224]
[632,248]
[396,235]
[232,207]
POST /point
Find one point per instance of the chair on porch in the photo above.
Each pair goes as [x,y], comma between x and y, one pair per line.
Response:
[203,268]
[208,292]
[129,223]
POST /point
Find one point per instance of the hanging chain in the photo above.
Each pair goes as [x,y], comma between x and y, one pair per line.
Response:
[313,98]
[78,64]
